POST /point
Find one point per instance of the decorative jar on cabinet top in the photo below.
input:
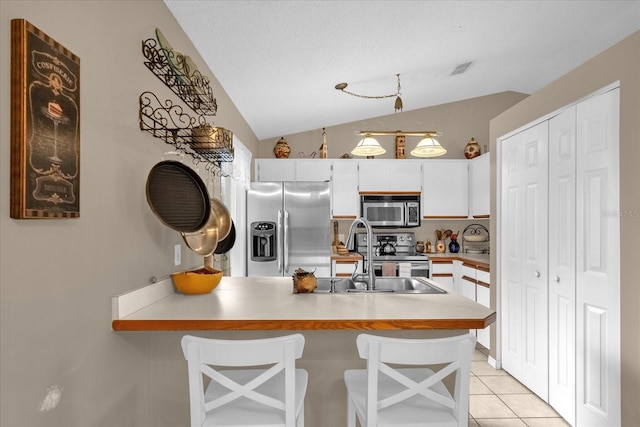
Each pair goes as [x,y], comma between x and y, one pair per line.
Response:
[281,150]
[472,149]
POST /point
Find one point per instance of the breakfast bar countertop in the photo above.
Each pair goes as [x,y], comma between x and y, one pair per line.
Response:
[268,303]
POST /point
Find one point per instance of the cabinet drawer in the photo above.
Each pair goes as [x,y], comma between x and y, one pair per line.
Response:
[342,268]
[442,268]
[482,277]
[468,271]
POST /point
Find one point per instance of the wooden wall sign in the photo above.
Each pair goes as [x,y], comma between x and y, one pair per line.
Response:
[45,126]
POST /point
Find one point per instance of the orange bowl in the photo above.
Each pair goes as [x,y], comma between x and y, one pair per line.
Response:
[201,281]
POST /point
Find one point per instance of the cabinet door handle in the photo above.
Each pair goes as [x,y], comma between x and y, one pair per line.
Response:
[557,279]
[537,274]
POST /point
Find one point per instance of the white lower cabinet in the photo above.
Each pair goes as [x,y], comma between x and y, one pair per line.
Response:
[442,273]
[483,298]
[344,268]
[475,286]
[559,257]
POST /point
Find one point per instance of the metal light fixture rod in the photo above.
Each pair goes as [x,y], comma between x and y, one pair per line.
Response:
[398,132]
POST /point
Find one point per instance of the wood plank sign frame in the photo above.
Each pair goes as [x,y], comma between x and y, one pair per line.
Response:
[45,126]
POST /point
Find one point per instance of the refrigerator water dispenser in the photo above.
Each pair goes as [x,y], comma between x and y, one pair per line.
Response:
[263,241]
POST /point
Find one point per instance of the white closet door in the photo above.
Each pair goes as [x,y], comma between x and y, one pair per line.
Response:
[524,248]
[511,249]
[598,261]
[562,264]
[535,366]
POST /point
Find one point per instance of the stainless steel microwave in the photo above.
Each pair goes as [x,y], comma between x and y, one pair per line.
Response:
[391,210]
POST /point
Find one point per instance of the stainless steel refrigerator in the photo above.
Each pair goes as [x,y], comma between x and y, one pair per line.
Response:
[289,228]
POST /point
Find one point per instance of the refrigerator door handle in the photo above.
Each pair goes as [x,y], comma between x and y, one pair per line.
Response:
[279,244]
[286,241]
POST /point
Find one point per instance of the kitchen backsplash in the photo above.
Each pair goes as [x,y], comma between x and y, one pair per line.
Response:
[427,229]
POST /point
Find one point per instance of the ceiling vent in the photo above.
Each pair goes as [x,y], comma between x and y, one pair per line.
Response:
[461,68]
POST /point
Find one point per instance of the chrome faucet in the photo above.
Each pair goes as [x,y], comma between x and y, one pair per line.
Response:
[369,277]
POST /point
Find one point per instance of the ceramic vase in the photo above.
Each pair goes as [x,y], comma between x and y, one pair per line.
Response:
[454,246]
[472,149]
[281,150]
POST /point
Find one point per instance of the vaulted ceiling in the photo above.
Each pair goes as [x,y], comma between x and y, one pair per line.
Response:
[280,61]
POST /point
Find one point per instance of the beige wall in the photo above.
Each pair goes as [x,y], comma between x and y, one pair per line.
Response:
[57,276]
[458,121]
[620,62]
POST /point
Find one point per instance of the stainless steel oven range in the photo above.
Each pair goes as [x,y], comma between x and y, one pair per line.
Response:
[395,254]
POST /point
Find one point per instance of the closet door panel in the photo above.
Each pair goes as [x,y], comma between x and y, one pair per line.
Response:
[534,261]
[598,261]
[511,301]
[562,248]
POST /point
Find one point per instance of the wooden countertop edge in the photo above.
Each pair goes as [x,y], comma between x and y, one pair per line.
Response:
[350,257]
[287,324]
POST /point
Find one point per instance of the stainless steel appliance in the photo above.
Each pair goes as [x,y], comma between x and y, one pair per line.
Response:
[289,227]
[391,210]
[395,250]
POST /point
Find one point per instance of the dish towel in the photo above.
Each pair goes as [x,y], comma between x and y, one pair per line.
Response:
[388,268]
[404,269]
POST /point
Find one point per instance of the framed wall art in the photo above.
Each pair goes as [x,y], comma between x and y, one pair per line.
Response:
[45,126]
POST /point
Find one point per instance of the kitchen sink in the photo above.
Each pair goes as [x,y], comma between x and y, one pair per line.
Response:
[398,285]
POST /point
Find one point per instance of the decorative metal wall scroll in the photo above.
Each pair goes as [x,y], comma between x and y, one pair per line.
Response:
[168,121]
[171,124]
[45,126]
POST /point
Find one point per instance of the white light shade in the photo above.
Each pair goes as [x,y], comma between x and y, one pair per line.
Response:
[368,146]
[428,147]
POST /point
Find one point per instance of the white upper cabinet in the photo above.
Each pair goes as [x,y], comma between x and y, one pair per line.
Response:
[390,175]
[445,188]
[449,188]
[479,182]
[275,170]
[313,169]
[345,200]
[292,170]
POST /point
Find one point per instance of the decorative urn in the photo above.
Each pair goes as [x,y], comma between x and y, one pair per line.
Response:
[281,149]
[472,149]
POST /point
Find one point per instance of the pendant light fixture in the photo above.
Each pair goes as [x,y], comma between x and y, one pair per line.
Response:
[427,147]
[368,146]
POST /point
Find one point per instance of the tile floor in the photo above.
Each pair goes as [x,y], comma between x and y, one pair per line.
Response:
[498,400]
